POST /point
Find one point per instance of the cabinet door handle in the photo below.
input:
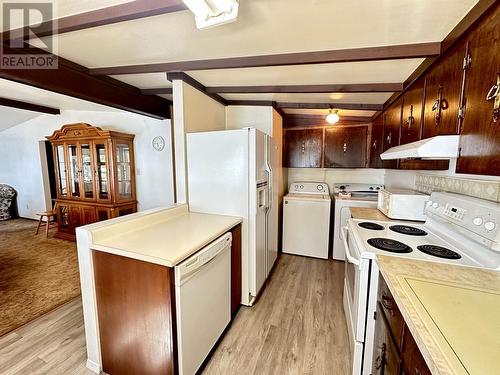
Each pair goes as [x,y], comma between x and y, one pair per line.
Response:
[303,147]
[410,120]
[374,145]
[387,303]
[389,138]
[345,147]
[438,105]
[493,94]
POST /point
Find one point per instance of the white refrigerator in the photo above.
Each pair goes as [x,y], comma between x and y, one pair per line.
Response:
[230,172]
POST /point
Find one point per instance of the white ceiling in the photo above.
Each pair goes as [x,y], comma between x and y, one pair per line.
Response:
[146,80]
[266,27]
[25,93]
[269,27]
[12,116]
[64,8]
[389,71]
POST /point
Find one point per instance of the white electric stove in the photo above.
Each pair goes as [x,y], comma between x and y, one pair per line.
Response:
[459,230]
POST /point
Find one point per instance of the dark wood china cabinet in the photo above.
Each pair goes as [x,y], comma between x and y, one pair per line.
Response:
[95,176]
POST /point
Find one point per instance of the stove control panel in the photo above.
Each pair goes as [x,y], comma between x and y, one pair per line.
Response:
[480,218]
[309,188]
[456,213]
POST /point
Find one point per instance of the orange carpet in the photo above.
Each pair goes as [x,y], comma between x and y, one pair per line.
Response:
[36,274]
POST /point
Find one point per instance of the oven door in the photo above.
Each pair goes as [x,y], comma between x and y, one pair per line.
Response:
[355,288]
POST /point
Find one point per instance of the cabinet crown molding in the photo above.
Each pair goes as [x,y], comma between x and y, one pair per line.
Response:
[81,129]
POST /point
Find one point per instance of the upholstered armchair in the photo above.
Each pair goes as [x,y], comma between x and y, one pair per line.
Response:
[7,197]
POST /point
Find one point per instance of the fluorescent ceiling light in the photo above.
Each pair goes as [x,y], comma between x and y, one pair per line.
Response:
[210,13]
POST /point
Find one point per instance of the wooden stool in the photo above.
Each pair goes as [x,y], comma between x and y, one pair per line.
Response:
[49,215]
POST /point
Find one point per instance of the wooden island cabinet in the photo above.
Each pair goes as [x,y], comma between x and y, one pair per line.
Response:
[394,351]
[95,176]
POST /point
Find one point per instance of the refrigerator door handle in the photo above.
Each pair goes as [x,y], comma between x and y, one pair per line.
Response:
[269,172]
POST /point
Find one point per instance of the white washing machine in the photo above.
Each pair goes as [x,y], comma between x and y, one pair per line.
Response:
[306,219]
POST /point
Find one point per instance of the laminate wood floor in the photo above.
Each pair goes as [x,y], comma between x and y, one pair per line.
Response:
[296,327]
[51,344]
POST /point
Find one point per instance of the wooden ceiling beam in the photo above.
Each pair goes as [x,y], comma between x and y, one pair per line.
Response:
[288,105]
[358,87]
[351,106]
[74,80]
[28,106]
[158,91]
[195,84]
[105,16]
[258,103]
[403,51]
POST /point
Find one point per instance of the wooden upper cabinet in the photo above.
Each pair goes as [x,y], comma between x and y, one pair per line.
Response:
[392,126]
[376,143]
[303,148]
[480,135]
[412,112]
[442,94]
[345,147]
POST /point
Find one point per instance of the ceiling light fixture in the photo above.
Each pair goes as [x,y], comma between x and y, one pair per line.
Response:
[333,117]
[210,13]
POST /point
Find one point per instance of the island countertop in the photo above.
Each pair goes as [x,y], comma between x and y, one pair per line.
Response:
[451,311]
[164,236]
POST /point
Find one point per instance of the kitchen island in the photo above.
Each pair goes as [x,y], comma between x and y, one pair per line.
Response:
[450,312]
[128,284]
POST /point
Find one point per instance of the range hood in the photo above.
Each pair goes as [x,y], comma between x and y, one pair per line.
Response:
[439,147]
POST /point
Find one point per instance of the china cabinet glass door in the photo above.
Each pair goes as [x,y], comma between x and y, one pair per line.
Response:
[74,171]
[102,174]
[123,171]
[87,173]
[62,182]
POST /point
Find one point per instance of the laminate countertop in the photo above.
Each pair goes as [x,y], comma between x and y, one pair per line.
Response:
[368,213]
[163,236]
[451,311]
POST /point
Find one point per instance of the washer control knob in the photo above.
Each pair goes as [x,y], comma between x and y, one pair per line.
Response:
[320,187]
[296,186]
[302,186]
[435,205]
[429,203]
[477,221]
[489,225]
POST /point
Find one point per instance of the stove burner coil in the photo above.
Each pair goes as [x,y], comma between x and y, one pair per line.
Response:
[438,251]
[387,244]
[406,229]
[371,226]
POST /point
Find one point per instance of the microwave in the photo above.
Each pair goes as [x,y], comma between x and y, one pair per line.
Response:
[402,204]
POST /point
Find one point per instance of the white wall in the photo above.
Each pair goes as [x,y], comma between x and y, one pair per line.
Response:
[333,176]
[259,117]
[406,179]
[20,158]
[193,112]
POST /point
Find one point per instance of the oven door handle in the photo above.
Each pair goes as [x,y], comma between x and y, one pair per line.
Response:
[348,254]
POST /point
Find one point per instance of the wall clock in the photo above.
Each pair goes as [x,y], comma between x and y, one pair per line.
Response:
[158,143]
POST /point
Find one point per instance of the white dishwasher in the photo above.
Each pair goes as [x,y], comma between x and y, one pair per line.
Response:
[203,302]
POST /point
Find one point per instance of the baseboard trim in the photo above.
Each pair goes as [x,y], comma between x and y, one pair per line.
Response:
[94,367]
